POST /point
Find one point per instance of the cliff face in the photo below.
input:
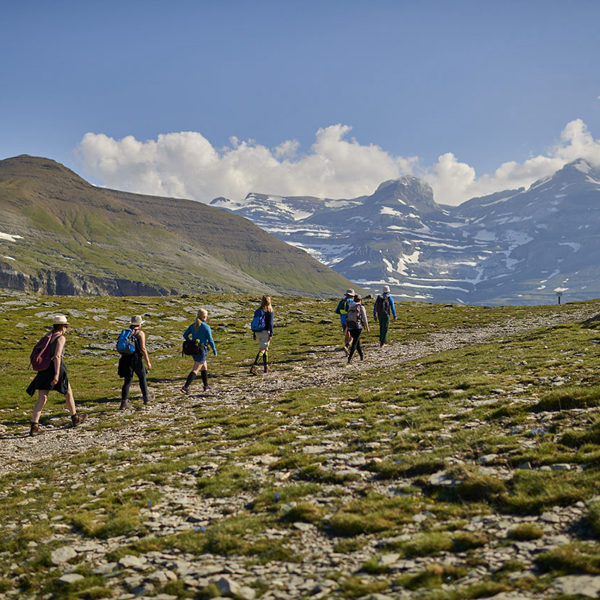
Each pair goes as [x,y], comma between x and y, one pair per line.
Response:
[61,235]
[60,283]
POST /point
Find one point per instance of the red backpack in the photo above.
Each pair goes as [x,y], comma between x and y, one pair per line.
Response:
[41,357]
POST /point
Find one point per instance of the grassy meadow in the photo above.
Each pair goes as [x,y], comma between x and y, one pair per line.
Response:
[448,465]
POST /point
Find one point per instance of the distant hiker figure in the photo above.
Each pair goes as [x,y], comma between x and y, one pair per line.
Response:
[132,360]
[355,322]
[200,334]
[262,330]
[383,308]
[52,377]
[342,310]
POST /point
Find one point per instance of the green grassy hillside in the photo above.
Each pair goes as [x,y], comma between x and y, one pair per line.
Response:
[459,462]
[76,239]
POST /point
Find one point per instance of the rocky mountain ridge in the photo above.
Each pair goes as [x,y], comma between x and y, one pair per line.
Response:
[516,246]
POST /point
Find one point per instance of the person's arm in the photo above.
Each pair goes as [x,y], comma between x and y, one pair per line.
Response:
[375,310]
[211,342]
[338,308]
[186,333]
[142,339]
[57,358]
[366,322]
[393,307]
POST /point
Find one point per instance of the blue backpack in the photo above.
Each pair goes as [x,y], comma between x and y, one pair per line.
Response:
[126,342]
[258,321]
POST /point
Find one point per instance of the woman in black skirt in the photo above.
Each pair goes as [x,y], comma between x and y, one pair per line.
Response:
[54,378]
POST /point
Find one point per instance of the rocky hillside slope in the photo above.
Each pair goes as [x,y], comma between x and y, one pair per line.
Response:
[61,235]
[461,461]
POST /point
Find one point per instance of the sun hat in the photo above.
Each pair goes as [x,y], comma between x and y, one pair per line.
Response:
[350,292]
[60,320]
[137,320]
[386,289]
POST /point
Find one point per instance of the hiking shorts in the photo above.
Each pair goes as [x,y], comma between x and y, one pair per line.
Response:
[263,339]
[200,356]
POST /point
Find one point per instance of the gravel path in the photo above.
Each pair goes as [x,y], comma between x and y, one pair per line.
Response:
[18,451]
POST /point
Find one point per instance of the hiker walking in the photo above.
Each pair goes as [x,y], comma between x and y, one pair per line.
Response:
[383,308]
[199,332]
[262,330]
[355,322]
[54,377]
[342,310]
[134,362]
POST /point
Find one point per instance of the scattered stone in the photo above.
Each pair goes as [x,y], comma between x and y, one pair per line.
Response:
[550,517]
[587,586]
[130,561]
[487,459]
[69,578]
[62,555]
[442,479]
[561,467]
[315,449]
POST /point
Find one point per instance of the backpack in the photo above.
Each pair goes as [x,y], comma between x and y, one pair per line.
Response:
[41,358]
[354,316]
[383,305]
[258,321]
[126,342]
[342,307]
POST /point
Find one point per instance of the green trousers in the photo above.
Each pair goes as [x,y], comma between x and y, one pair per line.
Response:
[384,325]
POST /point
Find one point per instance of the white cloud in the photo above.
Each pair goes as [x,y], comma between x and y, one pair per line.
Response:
[186,165]
[454,182]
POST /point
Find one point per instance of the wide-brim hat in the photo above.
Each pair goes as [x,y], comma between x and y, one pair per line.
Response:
[137,320]
[60,320]
[386,289]
[350,292]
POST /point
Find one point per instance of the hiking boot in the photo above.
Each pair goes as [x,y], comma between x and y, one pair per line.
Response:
[346,350]
[206,387]
[266,368]
[78,419]
[185,390]
[124,405]
[35,429]
[149,397]
[254,370]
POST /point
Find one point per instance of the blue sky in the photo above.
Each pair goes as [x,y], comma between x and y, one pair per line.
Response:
[323,98]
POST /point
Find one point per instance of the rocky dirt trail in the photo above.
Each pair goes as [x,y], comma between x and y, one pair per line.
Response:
[18,451]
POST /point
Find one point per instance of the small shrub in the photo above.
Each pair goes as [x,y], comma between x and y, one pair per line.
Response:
[571,558]
[303,511]
[526,532]
[426,544]
[465,540]
[578,438]
[349,545]
[433,576]
[568,398]
[532,492]
[593,517]
[226,482]
[355,587]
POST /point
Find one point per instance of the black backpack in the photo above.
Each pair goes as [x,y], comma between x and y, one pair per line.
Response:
[383,305]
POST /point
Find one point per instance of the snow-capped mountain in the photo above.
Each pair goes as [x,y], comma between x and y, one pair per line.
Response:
[516,246]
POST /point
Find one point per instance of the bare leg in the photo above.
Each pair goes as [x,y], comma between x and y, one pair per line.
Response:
[70,401]
[39,405]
